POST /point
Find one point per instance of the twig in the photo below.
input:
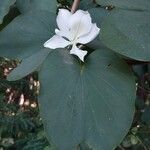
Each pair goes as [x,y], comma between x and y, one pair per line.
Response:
[75,6]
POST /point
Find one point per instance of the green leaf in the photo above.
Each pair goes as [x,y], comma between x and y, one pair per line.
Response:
[26,5]
[98,15]
[23,5]
[86,4]
[91,102]
[26,34]
[127,4]
[28,65]
[4,8]
[13,13]
[128,33]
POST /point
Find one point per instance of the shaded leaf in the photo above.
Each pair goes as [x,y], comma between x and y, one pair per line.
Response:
[28,65]
[26,5]
[98,15]
[4,8]
[91,102]
[26,34]
[23,5]
[86,4]
[126,35]
[13,13]
[127,4]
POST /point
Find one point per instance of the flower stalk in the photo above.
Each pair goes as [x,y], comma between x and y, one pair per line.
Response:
[75,6]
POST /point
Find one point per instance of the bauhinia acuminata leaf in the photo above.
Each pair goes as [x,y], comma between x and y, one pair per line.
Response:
[28,65]
[4,8]
[127,4]
[27,5]
[91,102]
[126,35]
[26,34]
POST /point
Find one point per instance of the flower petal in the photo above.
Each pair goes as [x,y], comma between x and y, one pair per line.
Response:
[56,42]
[63,19]
[90,36]
[78,52]
[63,34]
[80,23]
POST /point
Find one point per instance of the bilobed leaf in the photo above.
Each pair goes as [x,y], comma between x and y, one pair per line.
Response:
[98,15]
[91,102]
[4,8]
[86,4]
[127,4]
[26,5]
[28,65]
[23,5]
[26,34]
[128,33]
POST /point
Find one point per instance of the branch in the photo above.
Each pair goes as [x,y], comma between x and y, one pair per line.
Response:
[75,6]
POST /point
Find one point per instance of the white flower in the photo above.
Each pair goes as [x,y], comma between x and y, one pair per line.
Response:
[73,28]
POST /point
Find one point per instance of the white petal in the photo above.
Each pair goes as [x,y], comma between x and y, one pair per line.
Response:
[90,36]
[63,19]
[80,23]
[64,34]
[56,42]
[78,52]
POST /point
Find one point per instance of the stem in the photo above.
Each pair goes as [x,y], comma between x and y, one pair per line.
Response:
[75,6]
